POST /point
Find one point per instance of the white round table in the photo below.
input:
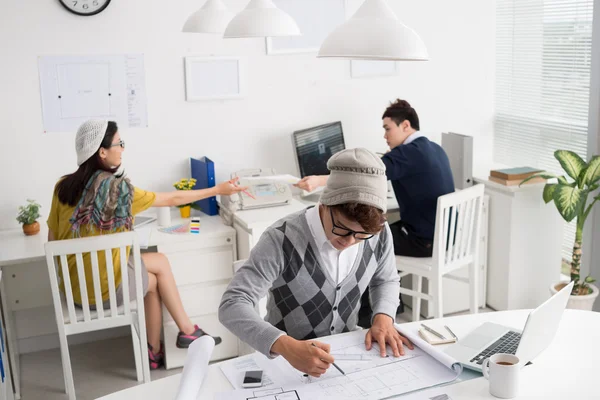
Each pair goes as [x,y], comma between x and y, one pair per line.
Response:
[563,371]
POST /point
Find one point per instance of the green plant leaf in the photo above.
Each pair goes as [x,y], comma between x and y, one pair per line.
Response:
[571,162]
[569,201]
[564,181]
[545,175]
[589,279]
[549,192]
[592,173]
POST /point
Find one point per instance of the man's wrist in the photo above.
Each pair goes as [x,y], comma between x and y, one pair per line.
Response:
[281,345]
[383,318]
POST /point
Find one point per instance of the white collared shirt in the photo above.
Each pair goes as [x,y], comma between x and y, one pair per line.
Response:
[412,137]
[338,263]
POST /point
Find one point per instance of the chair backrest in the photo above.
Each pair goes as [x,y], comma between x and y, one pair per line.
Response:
[457,225]
[60,249]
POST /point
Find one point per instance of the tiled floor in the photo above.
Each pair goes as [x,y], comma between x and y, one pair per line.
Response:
[99,368]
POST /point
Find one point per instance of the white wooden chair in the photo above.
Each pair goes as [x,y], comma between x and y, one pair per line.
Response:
[455,246]
[72,319]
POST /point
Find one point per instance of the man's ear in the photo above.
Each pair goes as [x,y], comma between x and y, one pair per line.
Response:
[406,124]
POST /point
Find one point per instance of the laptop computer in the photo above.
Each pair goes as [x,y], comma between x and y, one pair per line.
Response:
[489,339]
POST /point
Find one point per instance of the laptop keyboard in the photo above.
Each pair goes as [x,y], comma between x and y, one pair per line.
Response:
[506,344]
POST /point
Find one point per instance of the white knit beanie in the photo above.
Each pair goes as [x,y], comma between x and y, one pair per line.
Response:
[357,176]
[89,138]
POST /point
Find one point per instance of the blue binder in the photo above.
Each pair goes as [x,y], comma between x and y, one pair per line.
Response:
[203,170]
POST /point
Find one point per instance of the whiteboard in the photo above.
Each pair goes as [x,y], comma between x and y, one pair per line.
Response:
[316,20]
[74,89]
[213,78]
[372,68]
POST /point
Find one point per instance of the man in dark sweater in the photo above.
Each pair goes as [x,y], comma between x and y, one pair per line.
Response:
[420,173]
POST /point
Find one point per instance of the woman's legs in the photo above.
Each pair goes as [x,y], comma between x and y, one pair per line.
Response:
[161,286]
[153,312]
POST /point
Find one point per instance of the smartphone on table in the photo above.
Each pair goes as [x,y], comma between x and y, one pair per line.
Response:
[252,379]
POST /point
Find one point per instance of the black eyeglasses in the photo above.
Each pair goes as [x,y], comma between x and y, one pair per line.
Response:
[119,143]
[344,232]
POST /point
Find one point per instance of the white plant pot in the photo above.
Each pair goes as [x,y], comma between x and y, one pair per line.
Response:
[579,302]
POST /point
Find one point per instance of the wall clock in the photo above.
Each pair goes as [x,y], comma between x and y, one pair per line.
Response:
[85,7]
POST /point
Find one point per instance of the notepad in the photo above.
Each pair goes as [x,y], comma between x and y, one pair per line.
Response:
[432,339]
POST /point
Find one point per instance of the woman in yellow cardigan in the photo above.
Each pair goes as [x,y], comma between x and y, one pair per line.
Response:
[99,199]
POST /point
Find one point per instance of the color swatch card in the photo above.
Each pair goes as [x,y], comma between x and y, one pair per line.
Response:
[195,225]
[175,229]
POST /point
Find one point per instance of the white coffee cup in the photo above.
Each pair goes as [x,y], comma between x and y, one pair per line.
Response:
[164,216]
[503,374]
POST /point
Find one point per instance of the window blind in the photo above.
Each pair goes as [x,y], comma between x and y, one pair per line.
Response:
[543,59]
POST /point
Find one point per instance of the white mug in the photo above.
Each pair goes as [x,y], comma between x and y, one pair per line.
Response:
[504,371]
[164,216]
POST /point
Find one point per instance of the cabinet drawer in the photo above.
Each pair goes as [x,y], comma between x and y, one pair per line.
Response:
[199,300]
[198,266]
[175,357]
[27,286]
[200,243]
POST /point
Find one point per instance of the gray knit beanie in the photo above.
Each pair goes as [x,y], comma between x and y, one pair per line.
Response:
[89,138]
[357,176]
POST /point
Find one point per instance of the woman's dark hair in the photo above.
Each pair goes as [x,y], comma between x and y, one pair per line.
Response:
[400,111]
[369,217]
[70,188]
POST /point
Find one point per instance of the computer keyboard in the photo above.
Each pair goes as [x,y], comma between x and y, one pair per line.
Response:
[506,344]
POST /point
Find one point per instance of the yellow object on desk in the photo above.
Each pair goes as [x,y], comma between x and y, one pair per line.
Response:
[185,211]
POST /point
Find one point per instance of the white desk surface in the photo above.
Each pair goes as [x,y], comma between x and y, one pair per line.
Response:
[567,369]
[16,248]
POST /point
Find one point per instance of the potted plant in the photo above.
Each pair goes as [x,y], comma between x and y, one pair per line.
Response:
[571,200]
[185,184]
[28,216]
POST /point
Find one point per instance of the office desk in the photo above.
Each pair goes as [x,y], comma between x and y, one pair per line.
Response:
[566,370]
[201,263]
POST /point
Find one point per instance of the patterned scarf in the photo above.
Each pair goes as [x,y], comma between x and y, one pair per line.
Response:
[105,204]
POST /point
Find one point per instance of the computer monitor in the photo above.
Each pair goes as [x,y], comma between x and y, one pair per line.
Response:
[314,146]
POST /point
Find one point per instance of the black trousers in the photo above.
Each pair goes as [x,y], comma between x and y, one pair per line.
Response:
[405,244]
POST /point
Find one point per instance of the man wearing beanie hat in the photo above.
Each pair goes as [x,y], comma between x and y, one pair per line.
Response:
[315,264]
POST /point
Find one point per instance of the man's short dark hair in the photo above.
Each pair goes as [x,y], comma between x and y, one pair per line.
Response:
[369,217]
[400,111]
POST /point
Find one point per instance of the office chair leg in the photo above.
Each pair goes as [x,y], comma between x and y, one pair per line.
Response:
[137,354]
[435,287]
[474,288]
[417,283]
[66,364]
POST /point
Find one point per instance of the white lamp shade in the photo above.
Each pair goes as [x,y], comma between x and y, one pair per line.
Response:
[213,17]
[374,33]
[261,18]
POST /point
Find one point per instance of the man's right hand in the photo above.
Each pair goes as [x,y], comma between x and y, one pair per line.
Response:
[302,355]
[312,182]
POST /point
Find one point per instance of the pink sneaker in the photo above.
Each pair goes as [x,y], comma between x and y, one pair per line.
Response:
[184,341]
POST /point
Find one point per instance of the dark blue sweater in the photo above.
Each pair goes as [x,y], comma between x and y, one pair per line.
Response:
[420,173]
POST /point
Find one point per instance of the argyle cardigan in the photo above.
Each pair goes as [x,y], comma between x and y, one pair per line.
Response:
[304,301]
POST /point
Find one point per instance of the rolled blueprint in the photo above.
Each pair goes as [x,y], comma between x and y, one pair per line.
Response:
[195,368]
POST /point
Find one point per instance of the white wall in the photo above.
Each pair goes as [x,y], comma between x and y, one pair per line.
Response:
[452,92]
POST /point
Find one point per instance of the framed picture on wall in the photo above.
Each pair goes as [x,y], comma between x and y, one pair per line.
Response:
[372,68]
[316,20]
[213,78]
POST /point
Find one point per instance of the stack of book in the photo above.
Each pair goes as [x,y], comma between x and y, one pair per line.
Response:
[514,176]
